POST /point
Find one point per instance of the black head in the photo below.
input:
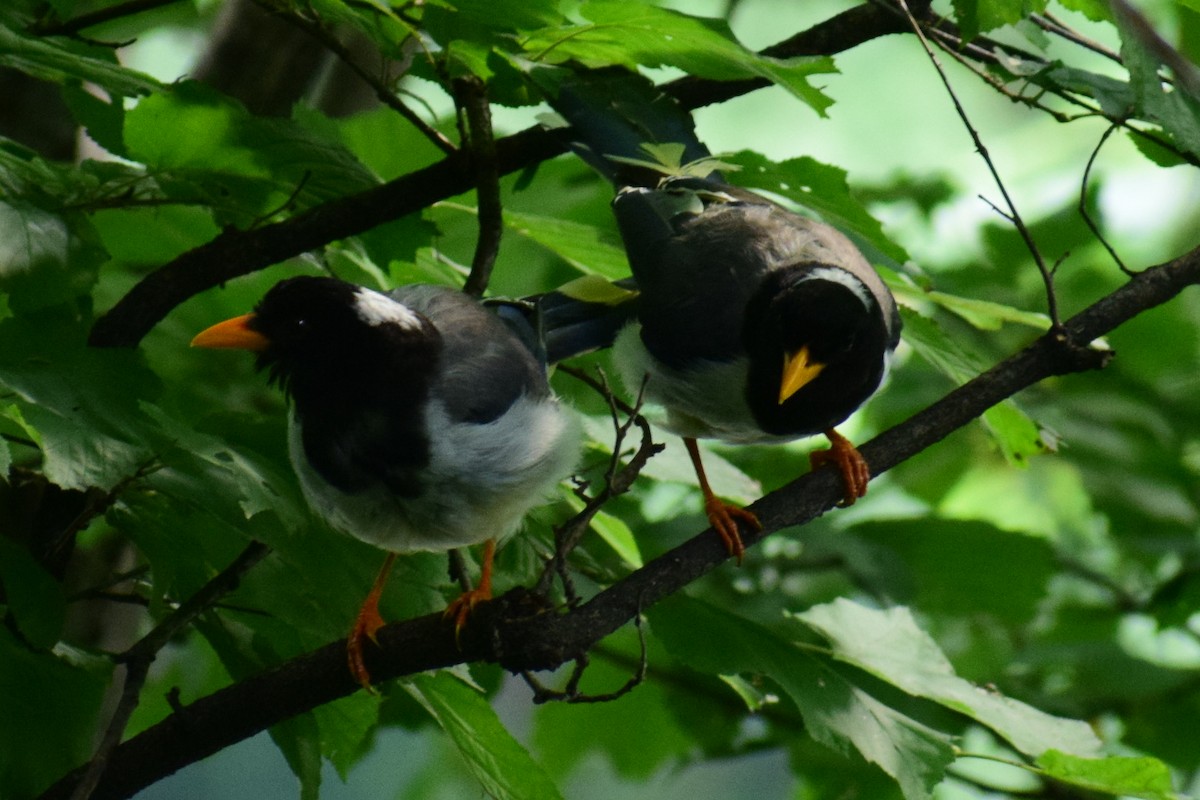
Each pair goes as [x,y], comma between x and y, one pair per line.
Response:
[324,336]
[832,315]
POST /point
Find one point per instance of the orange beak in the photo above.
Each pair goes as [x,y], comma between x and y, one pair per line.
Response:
[233,333]
[798,370]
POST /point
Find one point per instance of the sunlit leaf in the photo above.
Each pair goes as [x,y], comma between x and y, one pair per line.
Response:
[889,645]
[1127,777]
[837,711]
[502,766]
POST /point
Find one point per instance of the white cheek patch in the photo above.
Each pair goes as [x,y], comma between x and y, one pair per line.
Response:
[845,278]
[375,309]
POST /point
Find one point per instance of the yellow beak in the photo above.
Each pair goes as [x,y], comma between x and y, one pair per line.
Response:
[798,370]
[232,333]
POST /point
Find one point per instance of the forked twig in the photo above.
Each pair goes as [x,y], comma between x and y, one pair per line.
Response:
[571,694]
[1087,217]
[1013,215]
[617,480]
[141,655]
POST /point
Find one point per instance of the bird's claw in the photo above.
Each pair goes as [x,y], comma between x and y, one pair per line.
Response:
[850,464]
[461,607]
[725,518]
[366,626]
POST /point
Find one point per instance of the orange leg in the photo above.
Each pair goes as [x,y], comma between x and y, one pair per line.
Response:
[849,463]
[721,515]
[460,608]
[366,625]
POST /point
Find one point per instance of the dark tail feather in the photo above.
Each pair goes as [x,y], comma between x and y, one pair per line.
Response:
[613,112]
[562,324]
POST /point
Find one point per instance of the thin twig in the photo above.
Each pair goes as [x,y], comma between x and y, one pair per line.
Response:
[1083,211]
[471,95]
[1049,23]
[382,89]
[141,655]
[99,16]
[1014,215]
[571,693]
[617,479]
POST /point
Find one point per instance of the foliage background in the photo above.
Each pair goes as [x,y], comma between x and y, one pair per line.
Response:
[1068,580]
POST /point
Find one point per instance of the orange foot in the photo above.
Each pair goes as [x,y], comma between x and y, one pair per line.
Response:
[461,607]
[725,518]
[849,463]
[366,625]
[721,515]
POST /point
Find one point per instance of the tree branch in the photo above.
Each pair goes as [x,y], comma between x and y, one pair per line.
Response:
[504,632]
[234,253]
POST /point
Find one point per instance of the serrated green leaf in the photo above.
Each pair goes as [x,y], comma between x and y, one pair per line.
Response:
[502,766]
[820,187]
[981,16]
[1177,112]
[1018,436]
[80,405]
[837,712]
[206,466]
[206,148]
[633,35]
[889,645]
[1147,778]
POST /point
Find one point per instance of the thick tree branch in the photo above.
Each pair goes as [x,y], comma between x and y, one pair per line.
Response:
[517,634]
[234,252]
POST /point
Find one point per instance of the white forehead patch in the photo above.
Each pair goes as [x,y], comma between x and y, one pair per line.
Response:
[845,278]
[377,309]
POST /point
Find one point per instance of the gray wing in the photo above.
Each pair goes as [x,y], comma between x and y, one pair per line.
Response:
[484,366]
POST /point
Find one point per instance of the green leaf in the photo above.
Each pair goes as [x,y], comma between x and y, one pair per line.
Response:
[1177,112]
[1128,777]
[639,735]
[35,599]
[820,187]
[1017,435]
[503,767]
[614,532]
[79,404]
[45,258]
[964,568]
[60,61]
[51,704]
[837,711]
[889,645]
[636,35]
[987,315]
[981,16]
[587,248]
[211,150]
